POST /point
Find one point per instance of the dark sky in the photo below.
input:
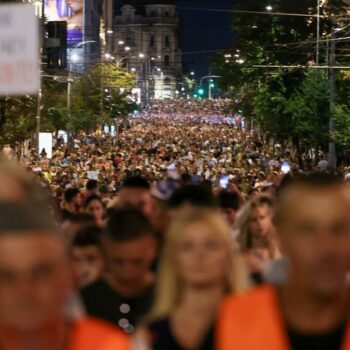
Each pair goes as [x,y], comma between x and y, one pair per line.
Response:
[204,30]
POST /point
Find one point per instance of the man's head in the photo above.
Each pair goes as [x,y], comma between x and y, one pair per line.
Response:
[35,278]
[313,224]
[72,198]
[87,255]
[92,186]
[136,193]
[192,196]
[229,203]
[16,184]
[129,247]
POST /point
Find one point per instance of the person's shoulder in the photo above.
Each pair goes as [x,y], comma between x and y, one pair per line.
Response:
[249,300]
[90,333]
[95,287]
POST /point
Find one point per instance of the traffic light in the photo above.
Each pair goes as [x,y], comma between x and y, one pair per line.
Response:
[56,47]
[201,92]
[212,85]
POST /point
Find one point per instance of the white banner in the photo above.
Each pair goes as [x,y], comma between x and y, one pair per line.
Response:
[19,50]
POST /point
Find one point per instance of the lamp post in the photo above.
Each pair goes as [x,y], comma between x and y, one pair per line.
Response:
[209,77]
[73,58]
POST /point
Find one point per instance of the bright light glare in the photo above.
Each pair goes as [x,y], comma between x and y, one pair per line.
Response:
[75,57]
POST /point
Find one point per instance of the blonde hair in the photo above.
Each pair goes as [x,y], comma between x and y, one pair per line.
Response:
[168,291]
[244,237]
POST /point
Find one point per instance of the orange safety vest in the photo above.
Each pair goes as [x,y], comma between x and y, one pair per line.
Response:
[92,334]
[253,321]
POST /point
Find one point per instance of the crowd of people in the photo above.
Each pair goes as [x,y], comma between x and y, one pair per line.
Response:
[178,234]
[216,111]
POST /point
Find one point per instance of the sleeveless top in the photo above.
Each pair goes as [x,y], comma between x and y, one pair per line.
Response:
[162,337]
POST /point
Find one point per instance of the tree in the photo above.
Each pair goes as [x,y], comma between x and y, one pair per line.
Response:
[285,101]
[91,104]
[100,94]
[18,119]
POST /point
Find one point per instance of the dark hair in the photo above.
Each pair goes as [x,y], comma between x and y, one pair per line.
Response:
[86,236]
[195,195]
[91,198]
[228,199]
[70,194]
[127,224]
[136,182]
[186,178]
[92,185]
[104,189]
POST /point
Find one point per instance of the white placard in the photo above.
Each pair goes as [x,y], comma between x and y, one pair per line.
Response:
[19,50]
[45,142]
[64,135]
[93,175]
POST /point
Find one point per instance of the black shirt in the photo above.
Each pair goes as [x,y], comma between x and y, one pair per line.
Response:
[328,341]
[67,215]
[102,301]
[162,337]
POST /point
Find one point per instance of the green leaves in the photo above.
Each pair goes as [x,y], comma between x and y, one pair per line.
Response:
[287,101]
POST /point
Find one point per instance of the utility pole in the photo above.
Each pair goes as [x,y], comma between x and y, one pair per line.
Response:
[332,157]
[209,89]
[37,122]
[38,109]
[70,140]
[318,33]
[209,85]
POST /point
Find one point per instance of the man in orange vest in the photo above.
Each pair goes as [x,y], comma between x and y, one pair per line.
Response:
[311,309]
[35,285]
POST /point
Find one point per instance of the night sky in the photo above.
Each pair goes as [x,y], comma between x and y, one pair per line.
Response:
[204,31]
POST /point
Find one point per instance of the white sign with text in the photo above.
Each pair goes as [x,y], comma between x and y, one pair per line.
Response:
[19,50]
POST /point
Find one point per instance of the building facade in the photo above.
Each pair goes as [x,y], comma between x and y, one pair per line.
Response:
[146,39]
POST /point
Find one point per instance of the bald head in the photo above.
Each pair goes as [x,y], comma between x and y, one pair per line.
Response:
[313,225]
[292,189]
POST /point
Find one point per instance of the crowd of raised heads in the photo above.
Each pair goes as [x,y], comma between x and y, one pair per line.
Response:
[174,235]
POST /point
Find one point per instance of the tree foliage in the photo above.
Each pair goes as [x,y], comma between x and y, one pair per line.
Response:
[91,104]
[288,101]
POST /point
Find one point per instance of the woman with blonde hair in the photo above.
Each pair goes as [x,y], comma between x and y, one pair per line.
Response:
[198,268]
[256,234]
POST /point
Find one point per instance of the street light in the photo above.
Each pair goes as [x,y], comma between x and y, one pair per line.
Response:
[74,58]
[127,48]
